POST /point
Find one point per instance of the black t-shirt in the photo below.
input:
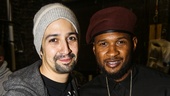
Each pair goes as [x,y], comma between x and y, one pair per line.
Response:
[58,89]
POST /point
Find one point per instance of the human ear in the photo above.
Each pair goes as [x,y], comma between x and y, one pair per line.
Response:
[94,49]
[134,43]
[41,52]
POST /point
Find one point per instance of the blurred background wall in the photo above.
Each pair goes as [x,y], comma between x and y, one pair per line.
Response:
[16,29]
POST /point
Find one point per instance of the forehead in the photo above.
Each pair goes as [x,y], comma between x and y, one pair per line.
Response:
[112,35]
[60,26]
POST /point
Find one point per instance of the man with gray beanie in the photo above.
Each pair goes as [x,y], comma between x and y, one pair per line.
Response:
[56,39]
[111,31]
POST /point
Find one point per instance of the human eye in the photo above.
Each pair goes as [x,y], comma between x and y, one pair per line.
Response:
[72,38]
[53,40]
[102,43]
[121,42]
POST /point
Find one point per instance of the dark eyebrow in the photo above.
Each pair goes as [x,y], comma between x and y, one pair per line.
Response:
[123,37]
[51,35]
[73,33]
[101,40]
[70,33]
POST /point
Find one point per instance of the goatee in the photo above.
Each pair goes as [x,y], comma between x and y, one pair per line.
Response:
[66,68]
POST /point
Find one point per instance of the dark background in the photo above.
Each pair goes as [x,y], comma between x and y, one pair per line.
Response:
[22,21]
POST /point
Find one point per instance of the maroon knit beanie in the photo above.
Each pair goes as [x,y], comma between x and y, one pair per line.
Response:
[113,19]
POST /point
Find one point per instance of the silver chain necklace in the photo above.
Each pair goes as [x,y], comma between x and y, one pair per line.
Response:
[130,92]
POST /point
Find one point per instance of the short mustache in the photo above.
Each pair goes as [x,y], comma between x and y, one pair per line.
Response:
[56,57]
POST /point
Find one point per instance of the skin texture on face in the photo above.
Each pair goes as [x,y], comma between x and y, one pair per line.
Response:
[59,50]
[113,52]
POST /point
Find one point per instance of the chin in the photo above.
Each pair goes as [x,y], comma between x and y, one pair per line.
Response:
[116,74]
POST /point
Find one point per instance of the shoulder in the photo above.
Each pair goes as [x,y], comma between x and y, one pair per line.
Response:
[148,71]
[147,78]
[27,78]
[98,80]
[147,74]
[26,71]
[92,87]
[95,87]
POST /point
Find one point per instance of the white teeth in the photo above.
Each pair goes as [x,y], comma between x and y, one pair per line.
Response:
[113,63]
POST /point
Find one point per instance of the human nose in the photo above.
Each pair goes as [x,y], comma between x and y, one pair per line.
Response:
[112,51]
[65,48]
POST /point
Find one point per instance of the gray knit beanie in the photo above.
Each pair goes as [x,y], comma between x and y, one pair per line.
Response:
[46,15]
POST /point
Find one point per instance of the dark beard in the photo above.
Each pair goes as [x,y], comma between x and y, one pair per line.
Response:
[61,69]
[121,72]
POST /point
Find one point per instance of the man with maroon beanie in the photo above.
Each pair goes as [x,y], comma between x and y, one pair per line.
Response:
[111,31]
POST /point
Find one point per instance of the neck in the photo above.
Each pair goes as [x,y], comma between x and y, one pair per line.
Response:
[130,85]
[124,76]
